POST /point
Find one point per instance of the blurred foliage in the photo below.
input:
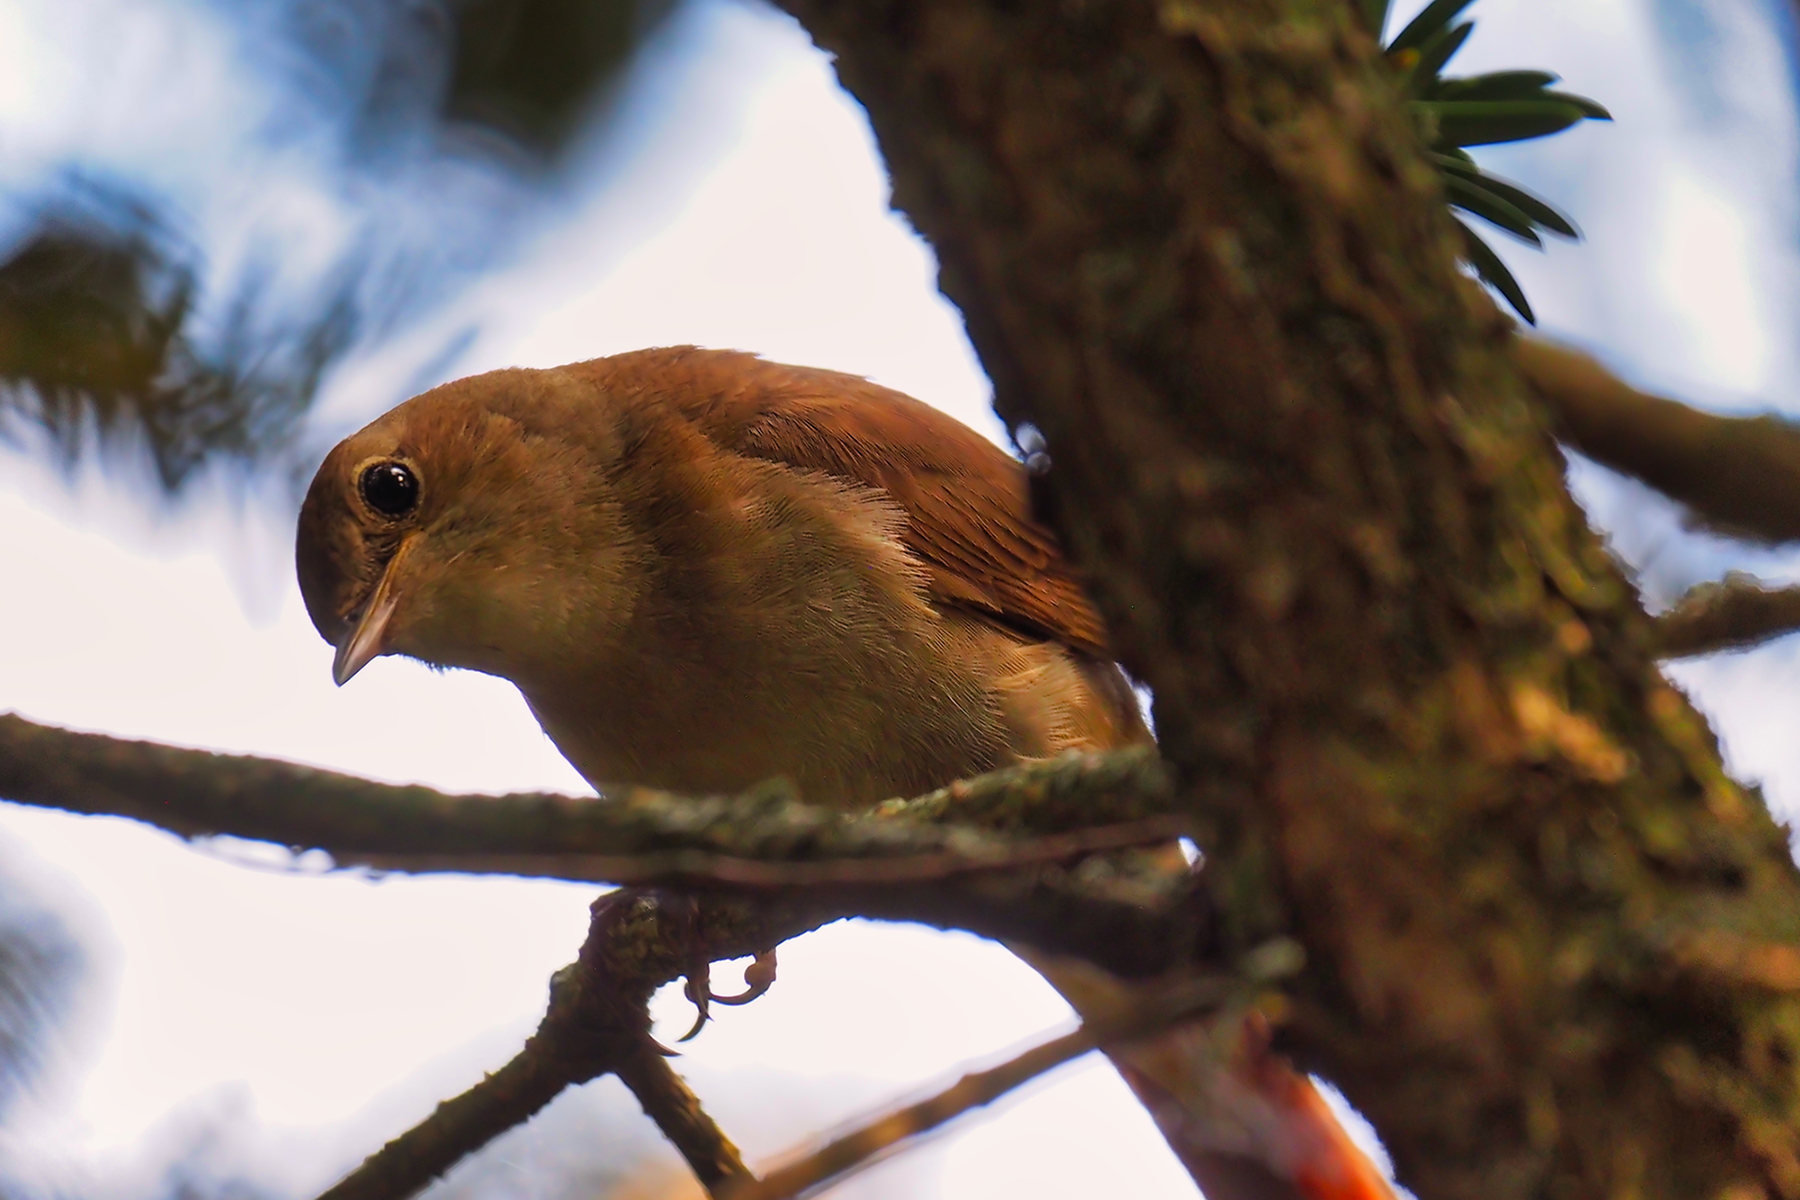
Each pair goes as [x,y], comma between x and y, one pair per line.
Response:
[40,967]
[529,69]
[43,970]
[526,73]
[98,342]
[105,337]
[1456,112]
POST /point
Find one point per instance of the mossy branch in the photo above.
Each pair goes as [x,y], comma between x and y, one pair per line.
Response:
[1735,613]
[894,865]
[636,834]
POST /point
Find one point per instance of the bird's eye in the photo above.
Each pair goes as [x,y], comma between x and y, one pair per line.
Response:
[390,488]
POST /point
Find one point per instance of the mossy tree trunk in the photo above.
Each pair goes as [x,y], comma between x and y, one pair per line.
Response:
[1552,948]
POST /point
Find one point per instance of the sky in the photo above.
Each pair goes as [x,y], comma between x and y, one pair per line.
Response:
[266,1023]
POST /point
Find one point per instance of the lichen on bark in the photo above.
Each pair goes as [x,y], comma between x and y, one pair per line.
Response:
[1552,946]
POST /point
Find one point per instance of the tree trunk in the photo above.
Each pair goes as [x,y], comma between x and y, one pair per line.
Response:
[1552,948]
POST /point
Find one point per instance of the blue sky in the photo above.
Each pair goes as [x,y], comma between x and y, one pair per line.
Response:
[300,1020]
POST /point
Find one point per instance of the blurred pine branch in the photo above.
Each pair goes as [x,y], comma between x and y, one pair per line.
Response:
[529,69]
[106,340]
[98,344]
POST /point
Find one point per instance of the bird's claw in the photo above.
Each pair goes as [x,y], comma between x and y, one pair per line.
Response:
[698,990]
[759,977]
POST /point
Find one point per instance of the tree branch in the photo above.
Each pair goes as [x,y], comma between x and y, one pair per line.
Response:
[677,1111]
[1070,792]
[813,865]
[1734,614]
[1197,248]
[1740,475]
[888,866]
[857,1149]
[948,876]
[502,1100]
[597,1023]
[698,869]
[638,835]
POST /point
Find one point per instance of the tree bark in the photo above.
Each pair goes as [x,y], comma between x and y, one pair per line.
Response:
[1552,947]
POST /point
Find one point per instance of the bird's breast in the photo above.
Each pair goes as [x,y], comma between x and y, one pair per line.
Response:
[790,632]
[781,629]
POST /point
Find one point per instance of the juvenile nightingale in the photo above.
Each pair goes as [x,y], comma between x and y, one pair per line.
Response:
[703,569]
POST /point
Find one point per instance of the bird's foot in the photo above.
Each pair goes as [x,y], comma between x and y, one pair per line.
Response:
[679,916]
[759,977]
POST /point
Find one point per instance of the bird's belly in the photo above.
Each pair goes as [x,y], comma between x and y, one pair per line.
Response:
[841,747]
[900,721]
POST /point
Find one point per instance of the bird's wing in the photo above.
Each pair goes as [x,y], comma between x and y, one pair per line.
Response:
[966,501]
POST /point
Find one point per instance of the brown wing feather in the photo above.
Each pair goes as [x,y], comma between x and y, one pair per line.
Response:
[966,500]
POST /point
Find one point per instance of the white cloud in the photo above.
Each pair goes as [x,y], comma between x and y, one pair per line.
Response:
[1706,270]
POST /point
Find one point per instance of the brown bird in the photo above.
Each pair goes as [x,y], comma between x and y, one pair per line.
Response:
[703,570]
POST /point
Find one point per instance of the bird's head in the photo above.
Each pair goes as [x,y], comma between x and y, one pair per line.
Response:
[476,525]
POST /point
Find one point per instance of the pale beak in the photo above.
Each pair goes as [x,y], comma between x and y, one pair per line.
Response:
[369,640]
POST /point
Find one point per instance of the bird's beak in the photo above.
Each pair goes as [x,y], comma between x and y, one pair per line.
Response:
[369,639]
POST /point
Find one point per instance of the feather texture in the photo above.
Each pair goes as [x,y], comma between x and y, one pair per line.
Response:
[966,501]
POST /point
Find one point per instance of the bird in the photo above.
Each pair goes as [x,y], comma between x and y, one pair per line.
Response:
[703,569]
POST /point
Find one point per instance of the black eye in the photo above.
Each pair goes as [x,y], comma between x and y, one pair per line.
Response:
[390,488]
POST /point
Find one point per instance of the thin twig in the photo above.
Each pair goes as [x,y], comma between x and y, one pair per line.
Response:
[597,1024]
[508,1097]
[669,1102]
[1736,613]
[857,1149]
